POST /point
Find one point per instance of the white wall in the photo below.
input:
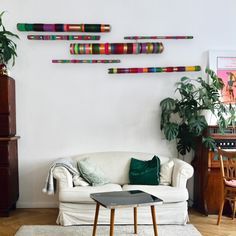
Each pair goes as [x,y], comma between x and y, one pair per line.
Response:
[67,109]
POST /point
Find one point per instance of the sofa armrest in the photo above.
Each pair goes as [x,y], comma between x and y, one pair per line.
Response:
[63,177]
[181,173]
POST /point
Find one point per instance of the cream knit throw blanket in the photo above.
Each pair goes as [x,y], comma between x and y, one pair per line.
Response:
[50,183]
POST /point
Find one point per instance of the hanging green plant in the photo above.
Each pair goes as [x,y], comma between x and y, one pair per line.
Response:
[7,45]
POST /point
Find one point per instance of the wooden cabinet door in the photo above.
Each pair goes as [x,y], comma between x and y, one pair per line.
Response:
[7,106]
[9,180]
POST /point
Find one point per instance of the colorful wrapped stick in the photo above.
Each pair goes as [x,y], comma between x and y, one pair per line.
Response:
[63,37]
[64,27]
[85,61]
[158,37]
[115,48]
[153,69]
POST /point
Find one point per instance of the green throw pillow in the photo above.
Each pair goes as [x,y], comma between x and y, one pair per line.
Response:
[145,172]
[92,173]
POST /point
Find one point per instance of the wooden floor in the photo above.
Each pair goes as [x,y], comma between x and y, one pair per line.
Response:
[206,225]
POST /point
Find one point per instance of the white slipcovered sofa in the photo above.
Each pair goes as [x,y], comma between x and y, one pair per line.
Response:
[76,207]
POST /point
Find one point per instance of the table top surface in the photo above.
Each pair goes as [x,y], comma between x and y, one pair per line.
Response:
[122,199]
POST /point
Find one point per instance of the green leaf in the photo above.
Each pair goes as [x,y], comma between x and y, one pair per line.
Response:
[171,131]
[183,147]
[186,139]
[7,45]
[222,122]
[168,104]
[184,79]
[10,34]
[1,14]
[232,116]
[198,124]
[209,142]
[210,72]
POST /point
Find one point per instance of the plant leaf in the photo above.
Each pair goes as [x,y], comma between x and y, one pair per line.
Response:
[1,14]
[171,131]
[183,147]
[168,104]
[198,124]
[209,142]
[184,79]
[7,45]
[10,34]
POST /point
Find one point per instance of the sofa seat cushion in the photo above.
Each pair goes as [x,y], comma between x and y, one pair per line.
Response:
[168,194]
[80,194]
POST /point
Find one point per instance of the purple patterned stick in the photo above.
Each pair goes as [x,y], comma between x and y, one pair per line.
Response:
[63,37]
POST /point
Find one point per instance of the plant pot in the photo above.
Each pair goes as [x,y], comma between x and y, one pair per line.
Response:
[3,69]
[210,117]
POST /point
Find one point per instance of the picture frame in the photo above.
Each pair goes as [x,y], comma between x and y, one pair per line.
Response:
[223,63]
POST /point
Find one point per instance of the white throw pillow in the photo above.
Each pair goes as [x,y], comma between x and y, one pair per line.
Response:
[92,173]
[166,173]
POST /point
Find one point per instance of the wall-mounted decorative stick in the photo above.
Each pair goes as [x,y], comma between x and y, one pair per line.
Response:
[116,48]
[64,27]
[153,69]
[158,37]
[84,61]
[63,37]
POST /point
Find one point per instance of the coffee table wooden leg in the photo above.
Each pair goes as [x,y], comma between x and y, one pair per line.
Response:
[112,219]
[96,219]
[154,220]
[135,220]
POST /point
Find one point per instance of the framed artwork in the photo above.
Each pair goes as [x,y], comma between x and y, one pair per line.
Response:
[224,65]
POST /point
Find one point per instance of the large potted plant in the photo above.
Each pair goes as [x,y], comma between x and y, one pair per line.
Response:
[7,47]
[182,118]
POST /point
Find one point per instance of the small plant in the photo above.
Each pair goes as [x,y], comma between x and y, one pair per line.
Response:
[7,45]
[182,119]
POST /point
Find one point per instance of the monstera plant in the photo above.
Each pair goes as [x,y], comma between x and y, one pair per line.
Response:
[7,45]
[182,118]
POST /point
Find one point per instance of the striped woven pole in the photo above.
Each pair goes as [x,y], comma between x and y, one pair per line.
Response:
[154,69]
[63,37]
[64,27]
[116,48]
[158,37]
[84,61]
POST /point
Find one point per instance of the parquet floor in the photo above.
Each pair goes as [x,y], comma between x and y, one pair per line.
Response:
[9,225]
[206,225]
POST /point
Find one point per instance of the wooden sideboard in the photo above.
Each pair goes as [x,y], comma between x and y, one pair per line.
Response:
[9,183]
[208,187]
[9,180]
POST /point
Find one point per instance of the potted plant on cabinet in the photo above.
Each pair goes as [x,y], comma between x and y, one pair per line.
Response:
[7,47]
[7,84]
[182,118]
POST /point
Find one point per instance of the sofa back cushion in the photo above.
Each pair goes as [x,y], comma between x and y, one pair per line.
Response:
[115,165]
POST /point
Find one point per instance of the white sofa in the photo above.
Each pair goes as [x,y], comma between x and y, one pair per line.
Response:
[76,207]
